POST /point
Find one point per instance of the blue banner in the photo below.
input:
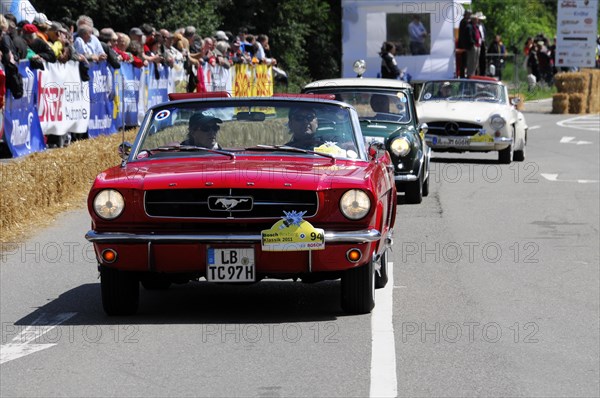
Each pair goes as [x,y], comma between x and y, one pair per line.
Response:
[101,105]
[131,92]
[158,82]
[22,129]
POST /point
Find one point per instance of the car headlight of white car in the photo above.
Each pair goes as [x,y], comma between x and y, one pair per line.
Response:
[497,122]
[109,204]
[355,204]
[400,146]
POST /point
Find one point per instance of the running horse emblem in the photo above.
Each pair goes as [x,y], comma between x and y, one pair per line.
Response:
[229,204]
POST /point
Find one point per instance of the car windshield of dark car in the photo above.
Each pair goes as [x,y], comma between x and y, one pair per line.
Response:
[388,105]
[234,126]
[465,90]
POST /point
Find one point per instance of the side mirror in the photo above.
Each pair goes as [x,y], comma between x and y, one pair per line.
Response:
[423,128]
[124,149]
[376,150]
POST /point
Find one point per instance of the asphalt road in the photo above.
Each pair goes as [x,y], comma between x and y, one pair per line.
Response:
[496,291]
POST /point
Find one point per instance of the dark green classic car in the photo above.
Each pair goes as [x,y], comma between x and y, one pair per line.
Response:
[387,114]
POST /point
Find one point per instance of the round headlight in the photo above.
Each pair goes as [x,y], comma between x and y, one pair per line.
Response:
[359,67]
[497,122]
[400,146]
[355,204]
[109,204]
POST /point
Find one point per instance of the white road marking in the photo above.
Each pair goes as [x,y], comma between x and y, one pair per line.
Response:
[587,122]
[533,128]
[23,344]
[569,140]
[383,350]
[554,177]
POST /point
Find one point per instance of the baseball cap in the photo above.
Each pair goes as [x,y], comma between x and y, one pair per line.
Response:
[57,26]
[220,35]
[41,19]
[29,28]
[203,118]
[136,31]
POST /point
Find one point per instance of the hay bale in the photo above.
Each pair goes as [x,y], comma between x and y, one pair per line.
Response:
[521,105]
[560,103]
[43,184]
[577,103]
[593,103]
[572,82]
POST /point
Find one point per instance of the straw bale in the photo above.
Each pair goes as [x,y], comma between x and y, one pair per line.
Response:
[572,82]
[521,105]
[593,105]
[43,184]
[560,103]
[577,103]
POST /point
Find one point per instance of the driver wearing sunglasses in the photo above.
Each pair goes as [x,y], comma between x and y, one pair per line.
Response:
[202,130]
[303,125]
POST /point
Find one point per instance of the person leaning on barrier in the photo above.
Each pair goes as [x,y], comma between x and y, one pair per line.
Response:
[203,128]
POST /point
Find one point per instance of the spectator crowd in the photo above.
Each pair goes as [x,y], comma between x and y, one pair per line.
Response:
[61,41]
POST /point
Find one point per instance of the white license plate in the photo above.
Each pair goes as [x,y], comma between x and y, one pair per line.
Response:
[456,141]
[230,265]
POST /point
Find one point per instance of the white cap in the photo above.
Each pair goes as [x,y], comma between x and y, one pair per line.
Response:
[41,19]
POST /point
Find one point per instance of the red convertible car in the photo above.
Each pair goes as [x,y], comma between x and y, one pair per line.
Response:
[236,190]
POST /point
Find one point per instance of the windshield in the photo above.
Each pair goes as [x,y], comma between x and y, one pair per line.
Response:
[463,90]
[230,127]
[388,105]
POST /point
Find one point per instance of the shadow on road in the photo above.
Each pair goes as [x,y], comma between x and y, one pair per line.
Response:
[202,303]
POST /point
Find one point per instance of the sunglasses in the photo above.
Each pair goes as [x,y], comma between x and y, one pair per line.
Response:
[211,127]
[304,118]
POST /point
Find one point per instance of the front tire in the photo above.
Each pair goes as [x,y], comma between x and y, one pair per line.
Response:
[381,275]
[120,291]
[358,289]
[505,156]
[414,192]
[426,187]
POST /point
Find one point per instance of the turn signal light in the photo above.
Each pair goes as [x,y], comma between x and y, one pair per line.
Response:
[109,255]
[353,255]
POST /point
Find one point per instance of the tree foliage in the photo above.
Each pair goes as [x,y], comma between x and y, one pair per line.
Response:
[515,20]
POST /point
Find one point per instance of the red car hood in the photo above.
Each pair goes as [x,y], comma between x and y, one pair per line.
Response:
[241,172]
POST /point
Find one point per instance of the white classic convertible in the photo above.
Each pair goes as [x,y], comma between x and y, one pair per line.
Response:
[472,115]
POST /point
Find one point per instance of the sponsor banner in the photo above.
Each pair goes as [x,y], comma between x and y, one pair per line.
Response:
[158,84]
[242,79]
[142,103]
[64,100]
[217,78]
[263,83]
[179,79]
[576,32]
[130,77]
[101,105]
[21,9]
[117,115]
[22,129]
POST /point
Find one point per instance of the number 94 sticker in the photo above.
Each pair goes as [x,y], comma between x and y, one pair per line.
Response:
[301,236]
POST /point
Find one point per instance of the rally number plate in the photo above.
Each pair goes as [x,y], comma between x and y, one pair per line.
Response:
[230,265]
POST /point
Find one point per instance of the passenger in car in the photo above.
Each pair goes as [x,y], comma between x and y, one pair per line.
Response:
[203,128]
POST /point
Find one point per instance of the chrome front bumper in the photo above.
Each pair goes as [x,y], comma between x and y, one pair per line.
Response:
[362,236]
[444,142]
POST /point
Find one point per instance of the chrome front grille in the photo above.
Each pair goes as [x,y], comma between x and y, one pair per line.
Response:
[450,128]
[228,203]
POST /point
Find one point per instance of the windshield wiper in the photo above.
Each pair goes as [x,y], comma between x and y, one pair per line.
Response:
[188,148]
[287,148]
